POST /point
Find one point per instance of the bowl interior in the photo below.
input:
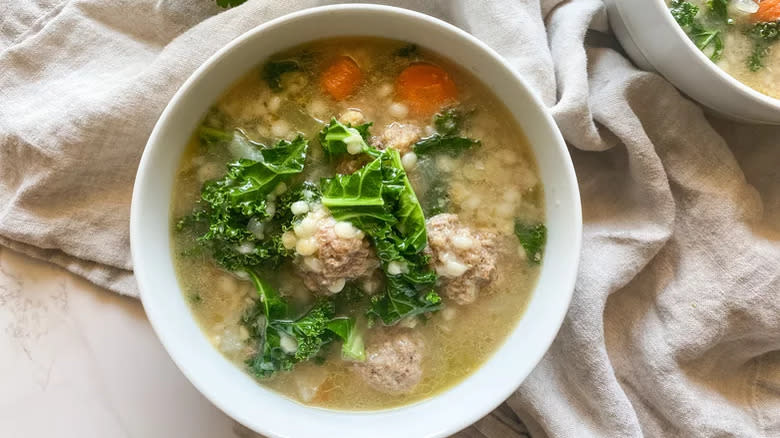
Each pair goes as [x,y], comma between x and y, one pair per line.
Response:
[229,387]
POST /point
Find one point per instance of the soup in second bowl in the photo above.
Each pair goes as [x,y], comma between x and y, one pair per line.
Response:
[360,223]
[740,36]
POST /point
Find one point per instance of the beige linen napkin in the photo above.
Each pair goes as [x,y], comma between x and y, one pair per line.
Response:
[674,329]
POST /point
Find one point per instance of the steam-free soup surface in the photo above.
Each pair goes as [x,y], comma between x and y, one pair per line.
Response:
[468,224]
[740,36]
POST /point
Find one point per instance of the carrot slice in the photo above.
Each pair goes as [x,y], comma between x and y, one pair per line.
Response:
[425,88]
[768,10]
[341,78]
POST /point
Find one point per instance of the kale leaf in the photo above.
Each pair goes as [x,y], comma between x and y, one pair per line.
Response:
[448,125]
[306,191]
[719,10]
[248,182]
[707,38]
[448,122]
[408,51]
[283,342]
[406,208]
[209,135]
[353,346]
[229,205]
[230,3]
[683,12]
[403,299]
[446,139]
[532,238]
[379,200]
[273,71]
[357,198]
[337,138]
[763,36]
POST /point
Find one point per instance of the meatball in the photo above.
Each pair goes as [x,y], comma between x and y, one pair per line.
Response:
[331,252]
[352,117]
[393,362]
[465,259]
[400,137]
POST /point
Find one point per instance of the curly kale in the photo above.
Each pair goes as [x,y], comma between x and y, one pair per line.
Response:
[683,12]
[446,139]
[763,35]
[705,34]
[230,3]
[234,209]
[282,342]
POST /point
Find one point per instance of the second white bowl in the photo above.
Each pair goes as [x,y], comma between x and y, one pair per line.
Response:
[655,42]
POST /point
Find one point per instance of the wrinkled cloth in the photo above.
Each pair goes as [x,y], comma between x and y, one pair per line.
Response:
[674,328]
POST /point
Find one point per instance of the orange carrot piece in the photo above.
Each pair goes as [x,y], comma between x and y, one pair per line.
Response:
[341,78]
[425,88]
[768,10]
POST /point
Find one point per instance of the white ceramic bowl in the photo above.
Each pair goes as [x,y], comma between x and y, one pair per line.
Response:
[655,42]
[237,393]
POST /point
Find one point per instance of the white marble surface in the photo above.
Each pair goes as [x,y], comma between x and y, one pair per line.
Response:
[77,361]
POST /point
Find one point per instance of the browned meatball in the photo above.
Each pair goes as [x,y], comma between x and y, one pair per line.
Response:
[465,259]
[331,252]
[393,362]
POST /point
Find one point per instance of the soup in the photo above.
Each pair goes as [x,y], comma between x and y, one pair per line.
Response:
[738,35]
[359,223]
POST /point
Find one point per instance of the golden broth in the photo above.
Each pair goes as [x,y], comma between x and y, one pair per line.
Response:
[489,187]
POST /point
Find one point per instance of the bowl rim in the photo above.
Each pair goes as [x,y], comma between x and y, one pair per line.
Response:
[703,59]
[568,177]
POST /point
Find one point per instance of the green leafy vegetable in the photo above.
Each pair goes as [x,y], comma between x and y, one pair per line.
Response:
[353,346]
[708,40]
[306,191]
[357,198]
[448,122]
[283,342]
[349,298]
[337,138]
[231,204]
[451,145]
[408,51]
[446,139]
[437,199]
[683,12]
[379,200]
[719,10]
[763,35]
[210,136]
[448,125]
[404,204]
[273,71]
[230,3]
[532,238]
[706,37]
